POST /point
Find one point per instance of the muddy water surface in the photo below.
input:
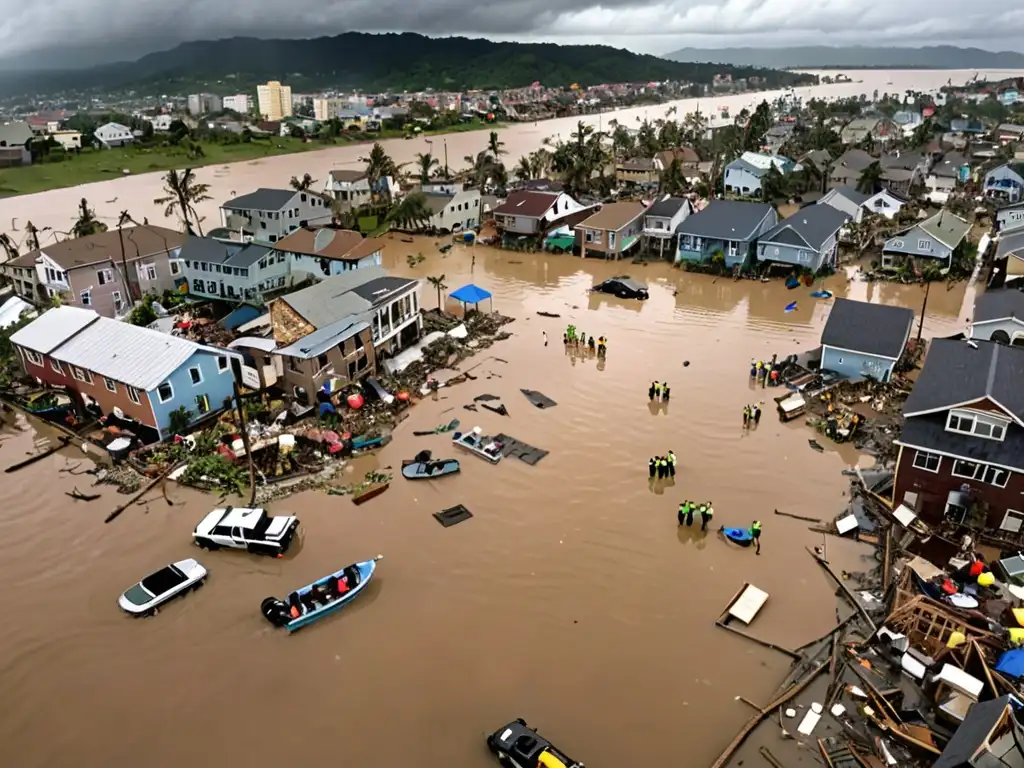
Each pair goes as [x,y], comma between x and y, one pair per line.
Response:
[570,599]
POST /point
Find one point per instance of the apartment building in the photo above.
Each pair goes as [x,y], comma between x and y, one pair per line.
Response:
[275,100]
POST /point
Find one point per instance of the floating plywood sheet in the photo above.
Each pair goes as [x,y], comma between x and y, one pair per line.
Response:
[749,602]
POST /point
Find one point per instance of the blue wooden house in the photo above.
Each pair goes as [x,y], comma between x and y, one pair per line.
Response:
[864,340]
[808,239]
[936,238]
[743,175]
[1005,183]
[729,227]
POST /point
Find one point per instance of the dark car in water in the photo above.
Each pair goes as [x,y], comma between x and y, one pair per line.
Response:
[624,287]
[516,745]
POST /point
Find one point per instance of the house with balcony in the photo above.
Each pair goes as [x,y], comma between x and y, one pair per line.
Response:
[1005,183]
[809,239]
[453,212]
[269,215]
[95,273]
[961,454]
[885,202]
[999,316]
[1010,217]
[612,231]
[1009,256]
[662,220]
[743,175]
[729,228]
[321,252]
[848,200]
[937,239]
[863,340]
[944,176]
[532,213]
[349,187]
[638,171]
[138,375]
[230,270]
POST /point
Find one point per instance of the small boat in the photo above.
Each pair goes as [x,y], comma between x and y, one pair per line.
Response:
[740,536]
[822,294]
[324,596]
[48,403]
[364,443]
[482,445]
[372,492]
[428,470]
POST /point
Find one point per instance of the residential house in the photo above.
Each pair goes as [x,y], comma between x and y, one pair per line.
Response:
[982,151]
[885,203]
[662,220]
[848,167]
[349,187]
[817,158]
[862,340]
[326,251]
[989,735]
[999,316]
[1005,183]
[611,231]
[874,128]
[455,212]
[907,121]
[535,213]
[727,227]
[70,140]
[954,168]
[118,368]
[936,238]
[90,272]
[775,138]
[110,135]
[848,200]
[232,270]
[638,171]
[965,126]
[1010,217]
[962,444]
[268,215]
[743,175]
[162,123]
[14,139]
[1009,254]
[687,157]
[902,171]
[808,239]
[1008,133]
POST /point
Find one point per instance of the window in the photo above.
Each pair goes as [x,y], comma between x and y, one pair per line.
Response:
[104,276]
[55,365]
[280,258]
[204,266]
[280,282]
[929,462]
[803,257]
[165,392]
[733,247]
[263,263]
[589,236]
[202,404]
[984,473]
[33,357]
[321,361]
[133,395]
[924,245]
[216,268]
[222,363]
[293,364]
[196,374]
[980,425]
[147,271]
[1012,521]
[118,302]
[212,286]
[86,297]
[611,239]
[110,384]
[80,374]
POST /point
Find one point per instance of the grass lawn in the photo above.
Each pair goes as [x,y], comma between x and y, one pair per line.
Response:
[102,164]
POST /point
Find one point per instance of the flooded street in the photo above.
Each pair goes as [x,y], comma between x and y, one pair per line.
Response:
[570,599]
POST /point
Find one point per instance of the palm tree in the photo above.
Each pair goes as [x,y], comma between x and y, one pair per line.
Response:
[87,223]
[524,169]
[673,180]
[438,283]
[411,211]
[870,179]
[183,194]
[8,246]
[495,147]
[773,185]
[425,163]
[304,184]
[379,165]
[123,219]
[32,236]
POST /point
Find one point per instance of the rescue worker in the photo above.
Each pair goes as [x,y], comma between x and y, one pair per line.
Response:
[755,413]
[657,390]
[590,344]
[662,467]
[755,533]
[671,458]
[706,513]
[683,509]
[753,368]
[775,377]
[664,393]
[652,467]
[767,373]
[653,390]
[602,344]
[759,367]
[746,416]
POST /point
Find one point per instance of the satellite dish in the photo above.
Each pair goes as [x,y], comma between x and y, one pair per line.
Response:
[322,239]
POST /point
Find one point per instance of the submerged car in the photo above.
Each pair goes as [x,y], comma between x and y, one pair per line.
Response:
[519,746]
[624,287]
[156,589]
[249,528]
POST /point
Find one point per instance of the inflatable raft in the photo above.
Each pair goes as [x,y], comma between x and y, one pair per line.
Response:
[739,536]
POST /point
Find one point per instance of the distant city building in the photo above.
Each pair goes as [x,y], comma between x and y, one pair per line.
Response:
[240,103]
[325,109]
[204,103]
[275,100]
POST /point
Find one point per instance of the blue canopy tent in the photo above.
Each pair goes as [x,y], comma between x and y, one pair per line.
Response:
[471,294]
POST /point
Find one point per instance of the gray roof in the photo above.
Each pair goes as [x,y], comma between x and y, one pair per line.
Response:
[955,373]
[322,339]
[248,256]
[15,134]
[851,194]
[929,432]
[874,329]
[750,168]
[973,733]
[211,251]
[1012,243]
[436,201]
[667,208]
[949,166]
[381,289]
[948,228]
[999,305]
[855,160]
[820,158]
[53,328]
[726,219]
[261,200]
[332,299]
[814,225]
[907,161]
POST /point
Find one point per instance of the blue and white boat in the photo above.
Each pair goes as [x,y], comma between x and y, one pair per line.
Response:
[321,598]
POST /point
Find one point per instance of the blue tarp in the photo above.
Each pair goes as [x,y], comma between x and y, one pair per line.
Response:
[470,294]
[1011,664]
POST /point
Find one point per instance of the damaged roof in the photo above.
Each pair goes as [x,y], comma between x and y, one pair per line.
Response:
[873,329]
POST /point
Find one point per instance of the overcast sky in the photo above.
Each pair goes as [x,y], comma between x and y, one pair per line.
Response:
[124,29]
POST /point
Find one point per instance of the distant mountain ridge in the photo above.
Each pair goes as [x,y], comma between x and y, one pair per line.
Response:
[391,61]
[855,57]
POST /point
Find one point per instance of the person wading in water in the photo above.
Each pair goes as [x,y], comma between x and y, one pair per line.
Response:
[755,532]
[706,513]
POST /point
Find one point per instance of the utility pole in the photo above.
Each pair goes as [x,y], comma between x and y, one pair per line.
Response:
[924,308]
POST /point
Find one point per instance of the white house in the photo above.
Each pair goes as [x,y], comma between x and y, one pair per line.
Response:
[885,203]
[353,187]
[268,215]
[113,135]
[162,123]
[454,212]
[533,213]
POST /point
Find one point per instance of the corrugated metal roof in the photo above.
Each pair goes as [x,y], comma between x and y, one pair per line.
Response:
[53,328]
[332,299]
[323,339]
[139,357]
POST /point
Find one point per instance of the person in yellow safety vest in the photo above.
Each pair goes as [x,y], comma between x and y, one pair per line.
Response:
[755,532]
[663,472]
[706,513]
[684,507]
[746,415]
[657,390]
[671,464]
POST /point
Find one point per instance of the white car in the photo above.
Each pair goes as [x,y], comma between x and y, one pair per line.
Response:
[246,528]
[157,588]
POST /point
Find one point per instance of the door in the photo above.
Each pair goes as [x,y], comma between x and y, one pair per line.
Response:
[238,538]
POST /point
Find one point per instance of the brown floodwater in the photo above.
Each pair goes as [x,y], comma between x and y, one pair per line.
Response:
[570,599]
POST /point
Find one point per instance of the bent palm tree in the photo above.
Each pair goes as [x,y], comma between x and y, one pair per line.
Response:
[183,194]
[87,223]
[438,283]
[494,146]
[411,211]
[304,184]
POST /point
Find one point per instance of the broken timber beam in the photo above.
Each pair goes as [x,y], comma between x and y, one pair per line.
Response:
[846,591]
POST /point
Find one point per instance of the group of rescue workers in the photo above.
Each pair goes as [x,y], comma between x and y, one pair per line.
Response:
[659,391]
[580,341]
[661,467]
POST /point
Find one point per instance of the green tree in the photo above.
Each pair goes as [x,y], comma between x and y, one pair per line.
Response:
[495,146]
[411,211]
[773,185]
[438,283]
[523,169]
[379,165]
[87,224]
[425,163]
[183,194]
[673,180]
[305,184]
[870,180]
